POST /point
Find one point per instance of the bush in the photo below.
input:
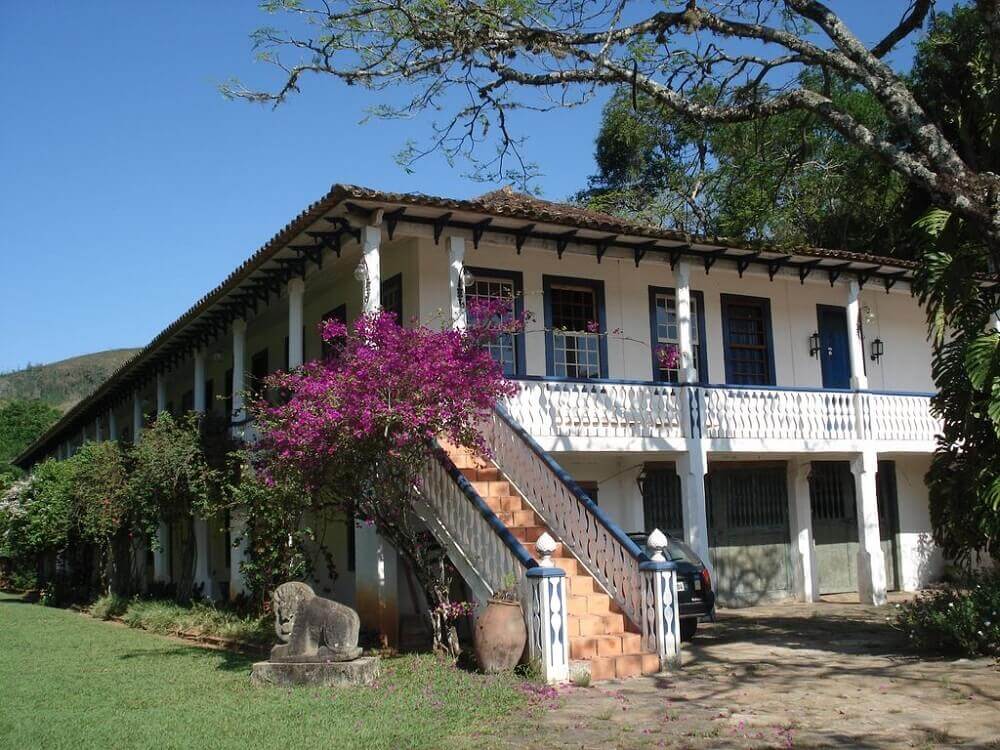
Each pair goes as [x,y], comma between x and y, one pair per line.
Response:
[199,619]
[108,606]
[959,620]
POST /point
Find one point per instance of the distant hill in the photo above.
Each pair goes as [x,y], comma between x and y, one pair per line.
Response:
[62,384]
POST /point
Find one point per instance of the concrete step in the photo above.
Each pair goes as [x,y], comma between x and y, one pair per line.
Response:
[623,666]
[481,473]
[581,585]
[492,488]
[596,625]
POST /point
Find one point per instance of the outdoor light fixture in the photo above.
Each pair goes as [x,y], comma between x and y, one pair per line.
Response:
[878,349]
[468,278]
[814,345]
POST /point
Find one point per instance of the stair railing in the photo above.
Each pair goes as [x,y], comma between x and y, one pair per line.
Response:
[644,587]
[488,556]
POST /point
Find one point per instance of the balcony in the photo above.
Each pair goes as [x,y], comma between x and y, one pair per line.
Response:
[628,415]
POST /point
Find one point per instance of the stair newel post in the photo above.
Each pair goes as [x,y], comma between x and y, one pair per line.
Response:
[661,622]
[547,614]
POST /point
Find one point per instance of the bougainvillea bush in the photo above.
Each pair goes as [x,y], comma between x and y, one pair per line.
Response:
[957,620]
[355,429]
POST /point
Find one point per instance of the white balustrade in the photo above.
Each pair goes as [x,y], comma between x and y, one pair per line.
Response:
[899,417]
[485,560]
[598,545]
[778,414]
[582,409]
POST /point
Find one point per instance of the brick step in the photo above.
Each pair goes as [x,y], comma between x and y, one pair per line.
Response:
[619,667]
[514,518]
[595,646]
[510,503]
[609,624]
[481,473]
[491,489]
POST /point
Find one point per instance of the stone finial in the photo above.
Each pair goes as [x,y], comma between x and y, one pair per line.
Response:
[657,543]
[545,545]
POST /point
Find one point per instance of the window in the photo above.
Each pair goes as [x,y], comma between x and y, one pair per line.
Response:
[746,331]
[337,313]
[663,331]
[392,296]
[507,349]
[574,323]
[259,370]
[592,490]
[661,499]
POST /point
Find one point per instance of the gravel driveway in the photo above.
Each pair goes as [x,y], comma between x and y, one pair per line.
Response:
[832,674]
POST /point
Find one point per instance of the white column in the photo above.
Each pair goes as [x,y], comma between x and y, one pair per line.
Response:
[239,367]
[161,393]
[856,349]
[456,262]
[685,368]
[112,424]
[161,550]
[370,270]
[871,562]
[377,601]
[199,381]
[296,294]
[98,431]
[202,569]
[375,558]
[83,436]
[805,569]
[237,553]
[136,416]
[691,468]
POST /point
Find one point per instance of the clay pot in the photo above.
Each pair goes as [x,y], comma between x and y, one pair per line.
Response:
[500,636]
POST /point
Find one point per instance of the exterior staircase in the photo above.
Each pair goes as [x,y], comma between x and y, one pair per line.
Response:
[602,641]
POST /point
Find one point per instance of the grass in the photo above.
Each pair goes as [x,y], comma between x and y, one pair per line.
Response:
[200,618]
[69,681]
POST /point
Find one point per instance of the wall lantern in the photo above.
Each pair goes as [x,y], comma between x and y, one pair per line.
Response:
[878,349]
[814,345]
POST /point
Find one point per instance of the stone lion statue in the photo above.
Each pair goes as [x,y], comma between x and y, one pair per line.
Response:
[312,628]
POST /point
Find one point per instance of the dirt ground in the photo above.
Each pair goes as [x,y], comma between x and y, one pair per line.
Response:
[832,674]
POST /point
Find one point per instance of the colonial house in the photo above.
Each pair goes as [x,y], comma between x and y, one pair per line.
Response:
[788,445]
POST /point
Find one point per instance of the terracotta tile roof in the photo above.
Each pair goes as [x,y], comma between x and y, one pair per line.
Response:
[502,203]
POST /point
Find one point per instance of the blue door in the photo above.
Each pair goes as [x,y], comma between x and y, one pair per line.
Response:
[834,357]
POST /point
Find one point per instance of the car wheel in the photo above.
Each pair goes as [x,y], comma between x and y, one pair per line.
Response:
[688,627]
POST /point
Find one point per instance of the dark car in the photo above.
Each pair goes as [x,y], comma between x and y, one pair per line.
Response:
[694,584]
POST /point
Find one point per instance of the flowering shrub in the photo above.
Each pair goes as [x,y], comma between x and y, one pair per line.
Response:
[962,620]
[356,428]
[37,513]
[172,478]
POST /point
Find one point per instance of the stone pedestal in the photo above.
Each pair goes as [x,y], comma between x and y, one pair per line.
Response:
[362,671]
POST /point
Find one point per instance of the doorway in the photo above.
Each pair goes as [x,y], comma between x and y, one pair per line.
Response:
[834,354]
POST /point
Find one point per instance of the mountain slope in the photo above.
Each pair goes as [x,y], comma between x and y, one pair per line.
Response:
[62,384]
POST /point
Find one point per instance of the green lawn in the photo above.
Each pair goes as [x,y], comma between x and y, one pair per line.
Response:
[68,681]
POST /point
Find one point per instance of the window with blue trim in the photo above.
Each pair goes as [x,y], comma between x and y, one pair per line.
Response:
[749,351]
[665,331]
[486,286]
[574,319]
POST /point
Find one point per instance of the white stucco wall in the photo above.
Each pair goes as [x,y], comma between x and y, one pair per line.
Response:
[920,562]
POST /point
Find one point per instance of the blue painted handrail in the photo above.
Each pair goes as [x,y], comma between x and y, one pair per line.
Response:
[630,546]
[498,526]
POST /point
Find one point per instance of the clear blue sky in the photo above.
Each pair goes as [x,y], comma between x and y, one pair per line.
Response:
[130,187]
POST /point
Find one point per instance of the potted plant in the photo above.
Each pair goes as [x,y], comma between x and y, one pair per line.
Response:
[501,634]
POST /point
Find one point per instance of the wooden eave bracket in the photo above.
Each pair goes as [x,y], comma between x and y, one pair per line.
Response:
[562,241]
[440,223]
[603,245]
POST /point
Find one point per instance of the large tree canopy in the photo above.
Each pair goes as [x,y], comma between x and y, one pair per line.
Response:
[478,61]
[790,179]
